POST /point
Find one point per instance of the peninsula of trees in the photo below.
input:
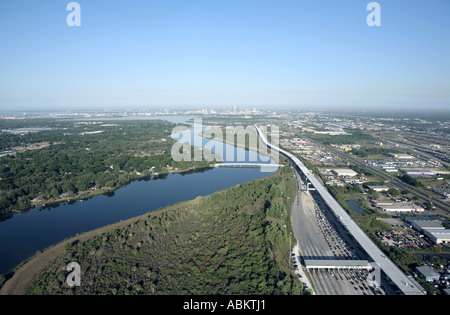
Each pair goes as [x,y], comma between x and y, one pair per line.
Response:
[231,242]
[69,159]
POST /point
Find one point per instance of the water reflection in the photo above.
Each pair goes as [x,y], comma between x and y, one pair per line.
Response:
[21,235]
[354,206]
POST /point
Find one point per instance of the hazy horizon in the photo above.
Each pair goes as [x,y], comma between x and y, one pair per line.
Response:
[324,109]
[209,54]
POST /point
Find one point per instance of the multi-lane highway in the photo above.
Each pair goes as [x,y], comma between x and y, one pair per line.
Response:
[441,156]
[441,205]
[390,270]
[321,241]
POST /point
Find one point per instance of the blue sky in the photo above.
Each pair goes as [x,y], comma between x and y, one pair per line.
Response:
[213,53]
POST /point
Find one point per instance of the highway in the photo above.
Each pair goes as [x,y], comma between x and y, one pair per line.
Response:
[404,284]
[441,205]
[431,154]
[341,282]
[320,240]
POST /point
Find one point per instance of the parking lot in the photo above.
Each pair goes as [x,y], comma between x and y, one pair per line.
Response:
[404,238]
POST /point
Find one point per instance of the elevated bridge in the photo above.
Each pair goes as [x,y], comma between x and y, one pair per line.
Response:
[247,165]
[390,270]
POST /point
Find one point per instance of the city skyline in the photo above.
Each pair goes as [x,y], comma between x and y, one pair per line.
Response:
[184,54]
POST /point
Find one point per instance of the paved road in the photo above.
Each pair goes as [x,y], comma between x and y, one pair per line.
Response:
[405,284]
[318,238]
[341,282]
[397,182]
[306,229]
[300,270]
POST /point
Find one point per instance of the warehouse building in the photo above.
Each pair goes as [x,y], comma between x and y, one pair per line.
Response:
[389,168]
[378,188]
[344,172]
[403,156]
[402,207]
[428,273]
[420,223]
[438,236]
[418,173]
[381,203]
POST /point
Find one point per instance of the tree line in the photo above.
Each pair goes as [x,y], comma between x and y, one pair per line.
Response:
[78,161]
[225,243]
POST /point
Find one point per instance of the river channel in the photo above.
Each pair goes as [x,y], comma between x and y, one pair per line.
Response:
[24,234]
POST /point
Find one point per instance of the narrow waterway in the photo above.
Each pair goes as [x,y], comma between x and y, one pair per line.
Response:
[24,234]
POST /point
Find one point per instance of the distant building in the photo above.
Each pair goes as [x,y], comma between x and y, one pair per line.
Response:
[402,207]
[403,156]
[389,168]
[420,223]
[345,147]
[379,203]
[438,236]
[418,172]
[378,188]
[334,183]
[35,199]
[6,153]
[428,273]
[344,172]
[91,132]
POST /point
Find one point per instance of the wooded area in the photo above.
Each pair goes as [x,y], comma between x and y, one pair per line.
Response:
[82,159]
[225,243]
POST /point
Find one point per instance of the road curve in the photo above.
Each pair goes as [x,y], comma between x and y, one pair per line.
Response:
[405,285]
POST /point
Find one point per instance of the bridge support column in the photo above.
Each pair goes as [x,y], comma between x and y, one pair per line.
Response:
[309,188]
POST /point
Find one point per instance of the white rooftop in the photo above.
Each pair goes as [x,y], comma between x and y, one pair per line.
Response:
[405,284]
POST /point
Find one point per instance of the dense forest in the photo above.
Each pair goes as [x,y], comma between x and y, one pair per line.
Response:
[80,159]
[230,242]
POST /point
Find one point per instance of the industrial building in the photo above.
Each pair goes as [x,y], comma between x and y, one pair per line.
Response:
[381,203]
[428,273]
[403,156]
[432,229]
[402,207]
[389,168]
[6,153]
[344,172]
[420,223]
[418,172]
[378,188]
[438,236]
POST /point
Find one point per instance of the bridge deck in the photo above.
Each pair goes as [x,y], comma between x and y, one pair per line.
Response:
[247,165]
[393,272]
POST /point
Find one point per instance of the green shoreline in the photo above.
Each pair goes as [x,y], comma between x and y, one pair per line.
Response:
[256,210]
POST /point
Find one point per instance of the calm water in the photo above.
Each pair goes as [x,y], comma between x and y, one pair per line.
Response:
[355,207]
[24,234]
